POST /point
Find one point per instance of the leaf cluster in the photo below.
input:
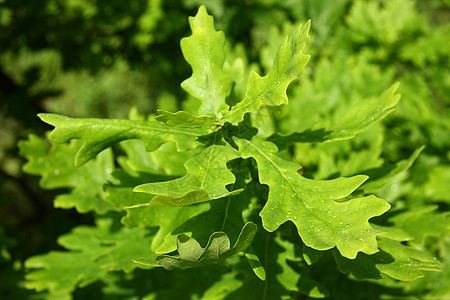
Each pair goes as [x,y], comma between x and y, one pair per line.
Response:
[301,194]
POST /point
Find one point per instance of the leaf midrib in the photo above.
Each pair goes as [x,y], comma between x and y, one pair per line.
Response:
[293,188]
[136,127]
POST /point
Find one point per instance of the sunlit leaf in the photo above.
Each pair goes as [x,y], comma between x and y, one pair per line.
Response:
[311,205]
[99,134]
[288,65]
[204,51]
[206,178]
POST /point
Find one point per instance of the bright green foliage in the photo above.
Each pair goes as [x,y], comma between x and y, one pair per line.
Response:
[311,204]
[98,135]
[434,187]
[288,65]
[206,178]
[383,24]
[310,192]
[394,260]
[184,119]
[355,120]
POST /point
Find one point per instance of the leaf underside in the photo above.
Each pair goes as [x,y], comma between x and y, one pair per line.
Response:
[192,255]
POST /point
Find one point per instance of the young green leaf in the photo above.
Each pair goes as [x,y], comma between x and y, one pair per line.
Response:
[288,65]
[383,175]
[423,222]
[99,134]
[408,262]
[204,51]
[184,119]
[322,223]
[355,120]
[206,178]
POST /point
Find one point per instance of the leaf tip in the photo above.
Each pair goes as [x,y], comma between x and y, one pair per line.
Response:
[392,91]
[308,25]
[139,189]
[48,118]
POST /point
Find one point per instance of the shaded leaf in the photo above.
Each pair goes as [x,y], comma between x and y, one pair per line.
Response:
[57,170]
[381,176]
[164,160]
[423,222]
[409,263]
[166,219]
[227,284]
[396,260]
[192,255]
[357,119]
[94,252]
[293,280]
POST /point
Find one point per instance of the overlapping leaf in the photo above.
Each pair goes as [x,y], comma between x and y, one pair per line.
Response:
[409,263]
[288,65]
[395,260]
[357,119]
[322,222]
[166,219]
[192,255]
[206,178]
[204,51]
[99,134]
[164,160]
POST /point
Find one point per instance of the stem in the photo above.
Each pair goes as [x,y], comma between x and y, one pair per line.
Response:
[226,213]
[266,265]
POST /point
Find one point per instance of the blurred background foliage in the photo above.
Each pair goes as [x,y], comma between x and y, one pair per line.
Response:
[101,58]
